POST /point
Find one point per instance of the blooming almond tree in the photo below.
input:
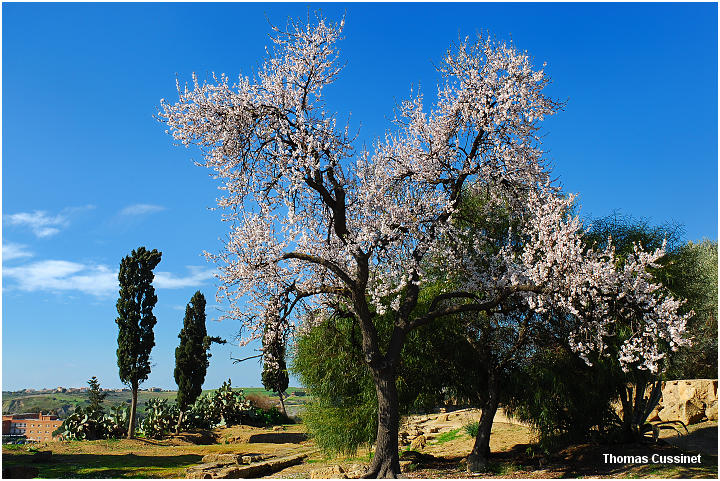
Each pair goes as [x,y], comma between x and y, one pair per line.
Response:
[315,224]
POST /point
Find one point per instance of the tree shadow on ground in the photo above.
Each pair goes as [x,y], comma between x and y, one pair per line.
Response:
[703,440]
[572,462]
[105,465]
[278,438]
[591,459]
[199,437]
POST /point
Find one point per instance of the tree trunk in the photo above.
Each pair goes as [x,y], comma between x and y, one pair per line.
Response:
[133,408]
[282,403]
[180,418]
[478,459]
[386,461]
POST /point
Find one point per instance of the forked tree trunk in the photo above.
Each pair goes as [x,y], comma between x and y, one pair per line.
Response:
[133,408]
[386,461]
[479,457]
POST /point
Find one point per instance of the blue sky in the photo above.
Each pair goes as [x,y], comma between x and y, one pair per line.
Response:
[88,174]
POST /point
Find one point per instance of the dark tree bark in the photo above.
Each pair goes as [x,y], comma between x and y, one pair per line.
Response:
[386,461]
[479,457]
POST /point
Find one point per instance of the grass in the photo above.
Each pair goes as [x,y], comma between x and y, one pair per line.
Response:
[448,436]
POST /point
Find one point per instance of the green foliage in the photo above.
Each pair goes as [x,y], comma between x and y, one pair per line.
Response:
[136,320]
[571,401]
[563,399]
[95,394]
[692,274]
[160,417]
[120,419]
[472,428]
[266,417]
[328,360]
[436,365]
[228,406]
[224,406]
[92,423]
[135,317]
[200,415]
[192,356]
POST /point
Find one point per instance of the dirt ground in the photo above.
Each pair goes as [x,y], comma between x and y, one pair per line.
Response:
[511,444]
[443,456]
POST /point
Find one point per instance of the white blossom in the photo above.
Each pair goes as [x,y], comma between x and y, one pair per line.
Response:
[315,223]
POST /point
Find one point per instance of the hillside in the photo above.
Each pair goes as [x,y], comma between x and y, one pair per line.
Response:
[64,403]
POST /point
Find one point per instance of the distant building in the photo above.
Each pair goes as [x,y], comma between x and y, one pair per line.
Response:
[34,426]
[155,389]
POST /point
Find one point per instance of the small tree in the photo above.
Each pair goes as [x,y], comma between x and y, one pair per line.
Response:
[136,321]
[95,394]
[192,356]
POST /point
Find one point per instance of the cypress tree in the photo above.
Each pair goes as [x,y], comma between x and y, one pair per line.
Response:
[192,356]
[136,321]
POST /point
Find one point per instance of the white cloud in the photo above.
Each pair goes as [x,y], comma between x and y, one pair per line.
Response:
[141,209]
[97,280]
[54,275]
[41,224]
[197,277]
[12,251]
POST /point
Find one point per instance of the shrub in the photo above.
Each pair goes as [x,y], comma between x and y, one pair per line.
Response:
[472,429]
[565,400]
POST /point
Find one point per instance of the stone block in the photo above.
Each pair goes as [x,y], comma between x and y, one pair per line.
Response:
[226,458]
[418,443]
[689,412]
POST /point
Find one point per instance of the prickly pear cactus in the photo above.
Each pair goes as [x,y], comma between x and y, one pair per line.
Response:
[160,418]
[85,423]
